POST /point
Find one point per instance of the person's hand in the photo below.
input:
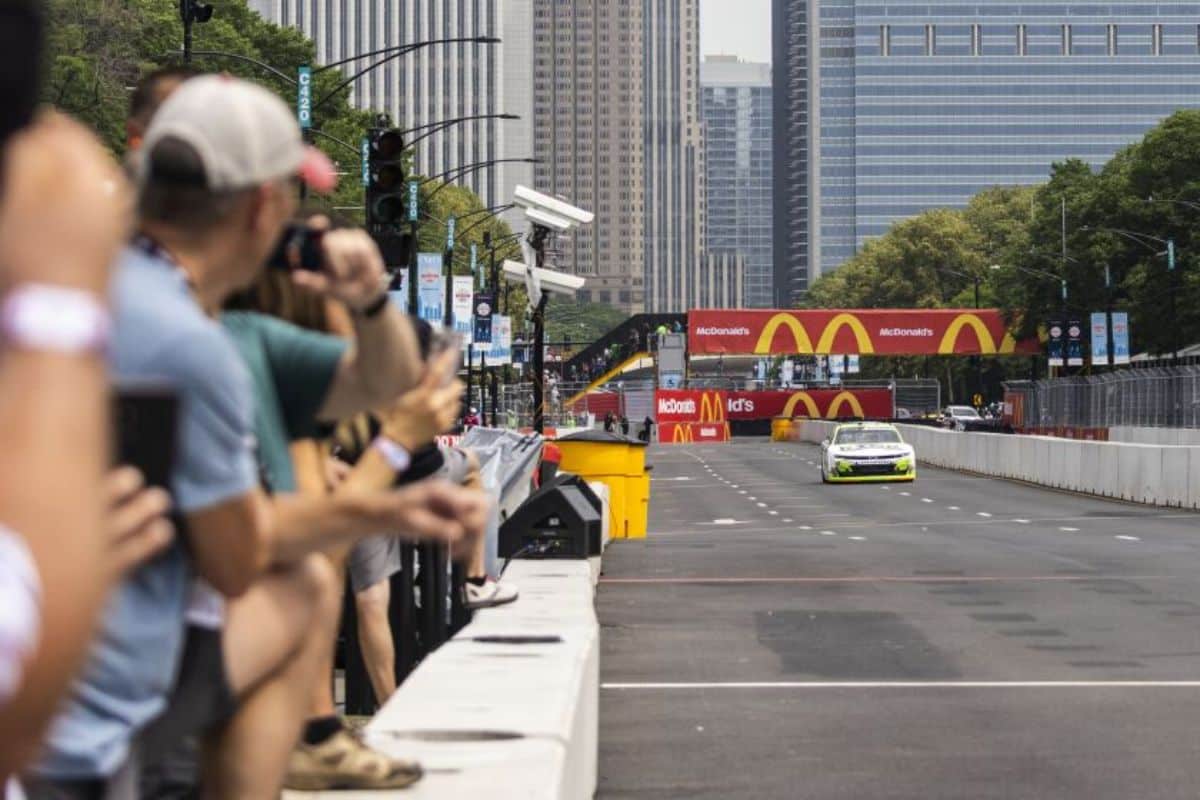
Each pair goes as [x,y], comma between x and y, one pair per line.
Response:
[135,520]
[429,409]
[65,207]
[353,272]
[336,472]
[434,510]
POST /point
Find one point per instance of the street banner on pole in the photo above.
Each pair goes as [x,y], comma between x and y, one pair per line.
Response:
[474,258]
[462,306]
[1056,344]
[1074,343]
[304,97]
[430,287]
[1099,339]
[484,305]
[398,290]
[852,365]
[1120,332]
[501,340]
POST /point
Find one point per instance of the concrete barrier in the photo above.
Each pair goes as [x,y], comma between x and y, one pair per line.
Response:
[510,706]
[1155,474]
[1136,434]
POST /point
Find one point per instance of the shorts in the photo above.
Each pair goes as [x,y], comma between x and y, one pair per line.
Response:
[166,755]
[372,560]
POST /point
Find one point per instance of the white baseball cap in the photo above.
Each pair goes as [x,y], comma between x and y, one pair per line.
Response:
[243,135]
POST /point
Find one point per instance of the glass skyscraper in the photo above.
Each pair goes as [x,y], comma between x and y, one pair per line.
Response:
[924,104]
[736,108]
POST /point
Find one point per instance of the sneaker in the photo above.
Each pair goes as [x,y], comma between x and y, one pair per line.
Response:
[344,761]
[489,594]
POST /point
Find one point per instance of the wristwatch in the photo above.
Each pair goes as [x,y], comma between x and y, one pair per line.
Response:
[36,316]
[397,457]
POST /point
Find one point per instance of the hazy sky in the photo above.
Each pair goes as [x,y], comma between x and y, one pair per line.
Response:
[738,27]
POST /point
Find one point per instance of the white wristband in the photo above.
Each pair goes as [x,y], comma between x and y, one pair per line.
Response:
[394,454]
[38,316]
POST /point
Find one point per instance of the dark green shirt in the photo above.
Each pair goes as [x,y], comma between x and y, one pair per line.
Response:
[292,370]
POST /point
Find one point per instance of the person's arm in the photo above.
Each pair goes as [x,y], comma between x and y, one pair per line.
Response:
[385,358]
[62,218]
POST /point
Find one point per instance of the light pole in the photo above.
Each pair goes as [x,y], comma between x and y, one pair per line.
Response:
[1144,240]
[976,360]
[192,11]
[468,169]
[1043,274]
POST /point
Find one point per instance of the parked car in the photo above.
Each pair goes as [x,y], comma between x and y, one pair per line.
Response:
[958,417]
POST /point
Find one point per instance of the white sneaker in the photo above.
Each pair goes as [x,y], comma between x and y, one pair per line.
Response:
[490,594]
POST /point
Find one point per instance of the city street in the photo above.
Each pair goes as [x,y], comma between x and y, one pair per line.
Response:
[957,637]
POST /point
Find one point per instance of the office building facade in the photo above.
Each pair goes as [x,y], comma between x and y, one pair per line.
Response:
[922,106]
[439,82]
[737,141]
[674,156]
[587,99]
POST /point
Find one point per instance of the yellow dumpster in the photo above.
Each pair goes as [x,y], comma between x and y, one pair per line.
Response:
[620,463]
[781,429]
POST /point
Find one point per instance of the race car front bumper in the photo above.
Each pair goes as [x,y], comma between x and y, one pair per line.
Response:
[850,471]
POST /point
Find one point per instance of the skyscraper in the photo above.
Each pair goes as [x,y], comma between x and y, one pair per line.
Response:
[674,156]
[923,106]
[435,83]
[587,102]
[737,142]
[791,23]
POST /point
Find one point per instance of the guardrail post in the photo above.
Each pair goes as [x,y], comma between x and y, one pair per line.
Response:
[403,613]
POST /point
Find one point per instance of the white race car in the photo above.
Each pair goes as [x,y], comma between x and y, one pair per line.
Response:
[859,452]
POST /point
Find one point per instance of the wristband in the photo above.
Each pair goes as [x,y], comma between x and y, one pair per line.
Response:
[37,316]
[375,307]
[393,453]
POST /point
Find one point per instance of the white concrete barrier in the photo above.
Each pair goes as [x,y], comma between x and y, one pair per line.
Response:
[1135,434]
[509,707]
[1156,474]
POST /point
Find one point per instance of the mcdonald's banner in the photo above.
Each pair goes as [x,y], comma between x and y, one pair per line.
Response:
[689,405]
[692,432]
[813,403]
[885,332]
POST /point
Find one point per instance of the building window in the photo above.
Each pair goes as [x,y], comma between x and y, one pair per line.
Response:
[976,39]
[930,40]
[1157,39]
[1022,41]
[1112,40]
[1066,40]
[885,39]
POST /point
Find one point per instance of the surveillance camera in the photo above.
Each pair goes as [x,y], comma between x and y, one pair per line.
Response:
[536,201]
[542,280]
[548,219]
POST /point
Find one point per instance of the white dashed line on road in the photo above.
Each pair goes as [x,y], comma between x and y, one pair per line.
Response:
[983,514]
[953,508]
[761,505]
[926,500]
[1129,538]
[773,513]
[741,491]
[858,538]
[1069,530]
[828,533]
[906,494]
[1020,521]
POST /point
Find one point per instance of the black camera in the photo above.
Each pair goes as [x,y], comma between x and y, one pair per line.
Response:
[299,249]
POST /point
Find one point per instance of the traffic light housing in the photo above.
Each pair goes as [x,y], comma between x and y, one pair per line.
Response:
[386,198]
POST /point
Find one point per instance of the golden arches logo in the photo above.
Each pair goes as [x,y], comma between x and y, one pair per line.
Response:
[836,324]
[682,434]
[799,335]
[845,398]
[810,405]
[712,407]
[987,345]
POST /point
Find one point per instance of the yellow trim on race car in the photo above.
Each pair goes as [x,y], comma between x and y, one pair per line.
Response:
[908,476]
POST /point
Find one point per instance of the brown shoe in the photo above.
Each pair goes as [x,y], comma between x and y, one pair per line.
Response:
[344,761]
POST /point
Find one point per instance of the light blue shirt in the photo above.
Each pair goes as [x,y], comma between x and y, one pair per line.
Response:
[162,335]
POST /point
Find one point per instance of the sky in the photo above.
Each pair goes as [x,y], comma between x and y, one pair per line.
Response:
[737,27]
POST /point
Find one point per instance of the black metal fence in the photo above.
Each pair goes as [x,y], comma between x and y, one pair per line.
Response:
[1148,397]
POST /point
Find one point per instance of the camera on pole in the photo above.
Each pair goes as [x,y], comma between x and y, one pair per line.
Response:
[387,196]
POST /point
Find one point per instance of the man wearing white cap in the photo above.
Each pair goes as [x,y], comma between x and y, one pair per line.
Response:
[216,188]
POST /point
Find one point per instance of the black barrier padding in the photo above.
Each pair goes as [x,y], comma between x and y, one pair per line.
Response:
[557,521]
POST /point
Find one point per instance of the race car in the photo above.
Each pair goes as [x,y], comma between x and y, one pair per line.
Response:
[859,452]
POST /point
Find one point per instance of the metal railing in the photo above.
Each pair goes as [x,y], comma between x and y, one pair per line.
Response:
[1147,397]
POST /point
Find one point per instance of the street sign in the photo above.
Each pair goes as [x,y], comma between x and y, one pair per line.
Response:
[366,162]
[450,233]
[304,97]
[977,400]
[1170,254]
[414,189]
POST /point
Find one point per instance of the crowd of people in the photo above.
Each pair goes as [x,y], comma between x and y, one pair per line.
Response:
[172,634]
[639,340]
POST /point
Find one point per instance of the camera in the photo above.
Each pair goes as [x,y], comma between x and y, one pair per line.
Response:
[545,280]
[550,212]
[299,249]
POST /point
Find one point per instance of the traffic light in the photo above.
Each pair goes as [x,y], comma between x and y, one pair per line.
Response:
[387,196]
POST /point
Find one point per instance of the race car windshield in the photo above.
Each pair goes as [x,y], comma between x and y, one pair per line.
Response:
[881,436]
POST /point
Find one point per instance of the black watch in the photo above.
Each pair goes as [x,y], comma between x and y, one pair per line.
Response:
[375,307]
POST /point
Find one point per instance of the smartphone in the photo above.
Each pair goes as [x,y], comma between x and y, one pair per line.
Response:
[146,421]
[20,64]
[299,248]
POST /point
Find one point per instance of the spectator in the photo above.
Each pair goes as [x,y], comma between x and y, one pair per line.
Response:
[633,341]
[471,420]
[624,425]
[676,327]
[216,190]
[610,422]
[646,434]
[64,210]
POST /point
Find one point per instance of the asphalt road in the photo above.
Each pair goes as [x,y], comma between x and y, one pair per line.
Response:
[958,637]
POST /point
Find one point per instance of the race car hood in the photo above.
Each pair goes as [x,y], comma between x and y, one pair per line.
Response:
[871,450]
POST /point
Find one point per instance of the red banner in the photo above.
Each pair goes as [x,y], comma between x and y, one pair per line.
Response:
[811,403]
[692,432]
[687,405]
[885,332]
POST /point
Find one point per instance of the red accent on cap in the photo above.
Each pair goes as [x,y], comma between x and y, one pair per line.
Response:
[317,171]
